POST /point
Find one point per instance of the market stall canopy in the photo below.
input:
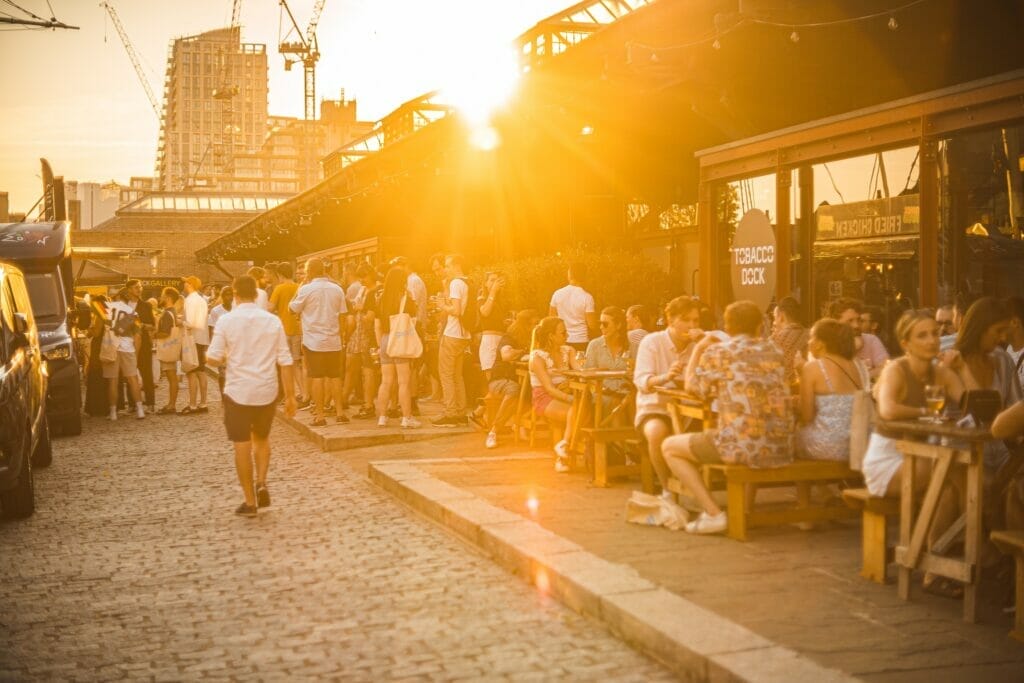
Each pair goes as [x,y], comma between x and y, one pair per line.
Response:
[89,273]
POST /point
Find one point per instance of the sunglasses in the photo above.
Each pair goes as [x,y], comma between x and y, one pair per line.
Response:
[605,323]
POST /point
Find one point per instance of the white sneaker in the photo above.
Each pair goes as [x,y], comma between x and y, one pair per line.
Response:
[708,524]
[140,412]
[382,421]
[411,423]
[562,449]
[113,415]
[492,440]
[561,466]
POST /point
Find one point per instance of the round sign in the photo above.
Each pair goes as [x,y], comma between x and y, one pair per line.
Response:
[754,259]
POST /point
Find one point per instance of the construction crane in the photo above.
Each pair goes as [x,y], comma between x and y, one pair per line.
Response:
[305,50]
[226,91]
[153,102]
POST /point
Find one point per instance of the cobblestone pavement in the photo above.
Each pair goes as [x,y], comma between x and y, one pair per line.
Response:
[134,566]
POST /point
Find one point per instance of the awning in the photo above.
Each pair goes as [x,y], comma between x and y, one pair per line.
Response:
[89,273]
[904,247]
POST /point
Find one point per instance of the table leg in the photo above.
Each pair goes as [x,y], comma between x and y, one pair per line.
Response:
[906,522]
[972,536]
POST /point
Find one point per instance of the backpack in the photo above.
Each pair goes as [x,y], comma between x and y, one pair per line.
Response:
[470,318]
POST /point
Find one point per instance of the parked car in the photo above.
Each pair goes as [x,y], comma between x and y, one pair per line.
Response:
[24,428]
[43,253]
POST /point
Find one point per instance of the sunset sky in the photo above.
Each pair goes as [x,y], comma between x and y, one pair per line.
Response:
[73,97]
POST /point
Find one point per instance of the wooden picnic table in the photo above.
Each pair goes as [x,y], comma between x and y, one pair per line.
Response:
[943,445]
[683,405]
[590,383]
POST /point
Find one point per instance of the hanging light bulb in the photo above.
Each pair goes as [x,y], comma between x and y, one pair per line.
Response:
[654,57]
[795,37]
[893,24]
[717,44]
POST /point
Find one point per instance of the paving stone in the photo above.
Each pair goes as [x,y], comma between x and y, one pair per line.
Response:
[135,566]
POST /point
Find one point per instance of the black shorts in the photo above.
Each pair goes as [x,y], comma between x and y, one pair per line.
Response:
[201,354]
[323,364]
[244,422]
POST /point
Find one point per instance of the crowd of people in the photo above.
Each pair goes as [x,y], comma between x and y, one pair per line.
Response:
[355,336]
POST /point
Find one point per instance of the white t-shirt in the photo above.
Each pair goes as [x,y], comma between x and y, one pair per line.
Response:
[196,314]
[572,303]
[115,309]
[251,343]
[457,291]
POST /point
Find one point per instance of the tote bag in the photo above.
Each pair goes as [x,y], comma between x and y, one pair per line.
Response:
[403,342]
[108,347]
[862,416]
[168,349]
[189,352]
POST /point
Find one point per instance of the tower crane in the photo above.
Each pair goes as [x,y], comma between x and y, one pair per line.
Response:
[132,56]
[226,91]
[305,50]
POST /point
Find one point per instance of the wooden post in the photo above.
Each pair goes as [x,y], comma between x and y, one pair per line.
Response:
[807,229]
[783,243]
[707,219]
[928,262]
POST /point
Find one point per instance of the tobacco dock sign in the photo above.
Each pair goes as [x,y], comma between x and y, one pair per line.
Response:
[754,259]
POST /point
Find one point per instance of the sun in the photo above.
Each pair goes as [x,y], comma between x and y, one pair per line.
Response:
[481,86]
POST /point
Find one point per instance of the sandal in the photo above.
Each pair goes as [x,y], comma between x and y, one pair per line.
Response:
[188,410]
[319,422]
[943,587]
[167,410]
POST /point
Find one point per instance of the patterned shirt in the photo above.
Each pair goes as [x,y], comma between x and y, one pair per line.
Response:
[755,410]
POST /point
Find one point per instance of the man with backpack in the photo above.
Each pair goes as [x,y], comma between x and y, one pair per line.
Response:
[455,336]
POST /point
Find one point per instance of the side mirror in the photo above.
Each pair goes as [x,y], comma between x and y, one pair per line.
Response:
[21,332]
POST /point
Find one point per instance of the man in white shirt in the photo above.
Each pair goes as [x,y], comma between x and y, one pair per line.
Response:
[250,343]
[124,323]
[320,303]
[454,342]
[575,306]
[660,360]
[196,320]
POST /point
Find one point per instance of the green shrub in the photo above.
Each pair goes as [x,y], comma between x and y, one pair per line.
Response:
[615,278]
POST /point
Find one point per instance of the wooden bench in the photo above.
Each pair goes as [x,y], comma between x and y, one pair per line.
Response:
[1011,542]
[802,474]
[524,417]
[601,437]
[874,544]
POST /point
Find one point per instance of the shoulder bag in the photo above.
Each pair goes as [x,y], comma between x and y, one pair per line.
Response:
[403,341]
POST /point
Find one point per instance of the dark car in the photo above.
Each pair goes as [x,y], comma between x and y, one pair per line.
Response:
[43,253]
[24,429]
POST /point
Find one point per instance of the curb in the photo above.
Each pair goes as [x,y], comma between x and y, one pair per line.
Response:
[358,436]
[691,641]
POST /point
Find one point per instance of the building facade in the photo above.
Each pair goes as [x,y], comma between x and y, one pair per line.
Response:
[215,106]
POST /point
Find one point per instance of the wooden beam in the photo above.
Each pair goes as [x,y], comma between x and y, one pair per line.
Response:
[928,260]
[783,246]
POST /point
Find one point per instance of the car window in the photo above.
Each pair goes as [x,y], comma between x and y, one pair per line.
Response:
[22,304]
[6,321]
[45,292]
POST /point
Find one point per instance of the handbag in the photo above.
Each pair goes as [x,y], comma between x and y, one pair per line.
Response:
[189,352]
[403,341]
[108,346]
[862,416]
[168,349]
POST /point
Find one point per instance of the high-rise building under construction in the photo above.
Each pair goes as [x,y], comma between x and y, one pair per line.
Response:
[215,106]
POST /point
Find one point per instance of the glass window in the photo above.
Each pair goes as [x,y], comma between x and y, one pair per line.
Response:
[204,203]
[179,204]
[44,291]
[192,203]
[250,204]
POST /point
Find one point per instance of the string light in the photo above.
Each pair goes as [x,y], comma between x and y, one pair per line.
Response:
[723,26]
